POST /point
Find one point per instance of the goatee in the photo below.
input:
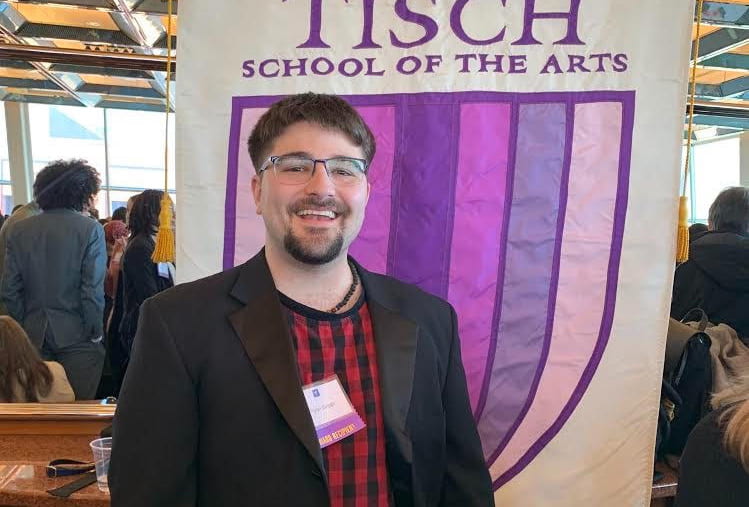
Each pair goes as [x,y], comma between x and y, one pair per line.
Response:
[306,255]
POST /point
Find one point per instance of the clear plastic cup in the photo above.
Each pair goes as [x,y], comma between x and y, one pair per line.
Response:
[102,449]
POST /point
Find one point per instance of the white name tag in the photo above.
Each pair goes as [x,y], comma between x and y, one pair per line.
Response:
[163,268]
[332,413]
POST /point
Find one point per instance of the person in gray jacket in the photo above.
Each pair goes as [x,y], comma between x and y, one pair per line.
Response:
[53,278]
[21,213]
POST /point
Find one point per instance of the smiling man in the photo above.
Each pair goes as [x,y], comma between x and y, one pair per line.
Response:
[299,378]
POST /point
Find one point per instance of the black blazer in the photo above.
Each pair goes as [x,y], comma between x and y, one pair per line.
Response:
[212,413]
[140,280]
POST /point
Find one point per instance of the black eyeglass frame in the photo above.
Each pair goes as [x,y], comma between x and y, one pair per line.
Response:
[324,161]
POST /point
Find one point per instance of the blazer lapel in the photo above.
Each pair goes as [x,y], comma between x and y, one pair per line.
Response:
[395,341]
[264,334]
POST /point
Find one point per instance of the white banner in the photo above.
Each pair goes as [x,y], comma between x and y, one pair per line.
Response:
[526,170]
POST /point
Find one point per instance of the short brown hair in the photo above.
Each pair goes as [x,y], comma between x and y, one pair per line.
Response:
[328,111]
[730,211]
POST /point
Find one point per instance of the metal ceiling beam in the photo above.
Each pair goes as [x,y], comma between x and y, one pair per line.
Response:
[729,89]
[132,25]
[735,87]
[725,14]
[721,41]
[87,58]
[709,91]
[41,68]
[722,121]
[713,109]
[727,61]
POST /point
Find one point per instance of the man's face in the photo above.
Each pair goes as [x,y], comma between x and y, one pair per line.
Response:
[294,215]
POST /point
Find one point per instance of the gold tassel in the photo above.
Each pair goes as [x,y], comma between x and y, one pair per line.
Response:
[682,237]
[165,247]
[164,251]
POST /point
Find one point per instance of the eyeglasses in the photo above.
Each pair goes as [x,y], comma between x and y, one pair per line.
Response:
[298,170]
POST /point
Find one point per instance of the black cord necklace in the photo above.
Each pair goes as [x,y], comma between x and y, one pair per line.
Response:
[351,290]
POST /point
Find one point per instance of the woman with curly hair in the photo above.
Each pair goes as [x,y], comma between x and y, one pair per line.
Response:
[24,377]
[141,278]
[714,469]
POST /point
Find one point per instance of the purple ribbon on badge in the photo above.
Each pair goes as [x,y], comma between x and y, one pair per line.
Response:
[332,432]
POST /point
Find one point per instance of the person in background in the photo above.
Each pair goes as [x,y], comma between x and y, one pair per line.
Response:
[117,353]
[115,236]
[53,279]
[120,213]
[714,468]
[696,231]
[20,212]
[141,278]
[716,276]
[24,377]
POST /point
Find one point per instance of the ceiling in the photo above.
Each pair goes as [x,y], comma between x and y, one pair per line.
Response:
[125,33]
[722,89]
[108,29]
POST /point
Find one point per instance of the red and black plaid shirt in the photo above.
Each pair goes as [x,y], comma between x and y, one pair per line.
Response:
[343,344]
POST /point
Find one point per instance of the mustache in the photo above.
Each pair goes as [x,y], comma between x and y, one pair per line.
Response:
[328,204]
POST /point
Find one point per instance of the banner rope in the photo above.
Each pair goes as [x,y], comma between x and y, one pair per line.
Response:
[165,244]
[682,235]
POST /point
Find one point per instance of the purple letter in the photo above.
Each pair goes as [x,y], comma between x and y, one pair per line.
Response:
[517,64]
[530,15]
[552,64]
[315,27]
[263,72]
[457,25]
[486,62]
[366,35]
[370,68]
[620,62]
[432,62]
[247,68]
[576,63]
[428,24]
[466,59]
[601,56]
[401,65]
[358,67]
[301,66]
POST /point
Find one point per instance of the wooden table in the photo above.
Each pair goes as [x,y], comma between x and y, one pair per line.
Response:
[41,432]
[32,435]
[664,490]
[27,484]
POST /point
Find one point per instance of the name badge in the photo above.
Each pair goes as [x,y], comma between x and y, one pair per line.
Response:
[163,269]
[331,410]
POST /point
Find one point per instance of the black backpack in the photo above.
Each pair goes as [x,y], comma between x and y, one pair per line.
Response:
[686,390]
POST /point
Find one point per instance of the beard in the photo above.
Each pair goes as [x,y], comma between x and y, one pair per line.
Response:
[319,249]
[316,254]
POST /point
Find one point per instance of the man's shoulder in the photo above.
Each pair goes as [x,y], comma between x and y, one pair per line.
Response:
[404,296]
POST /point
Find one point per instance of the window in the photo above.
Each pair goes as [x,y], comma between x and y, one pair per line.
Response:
[127,147]
[6,195]
[135,143]
[65,132]
[716,166]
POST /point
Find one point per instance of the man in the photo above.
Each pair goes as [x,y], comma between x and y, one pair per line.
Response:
[716,276]
[53,278]
[20,212]
[238,383]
